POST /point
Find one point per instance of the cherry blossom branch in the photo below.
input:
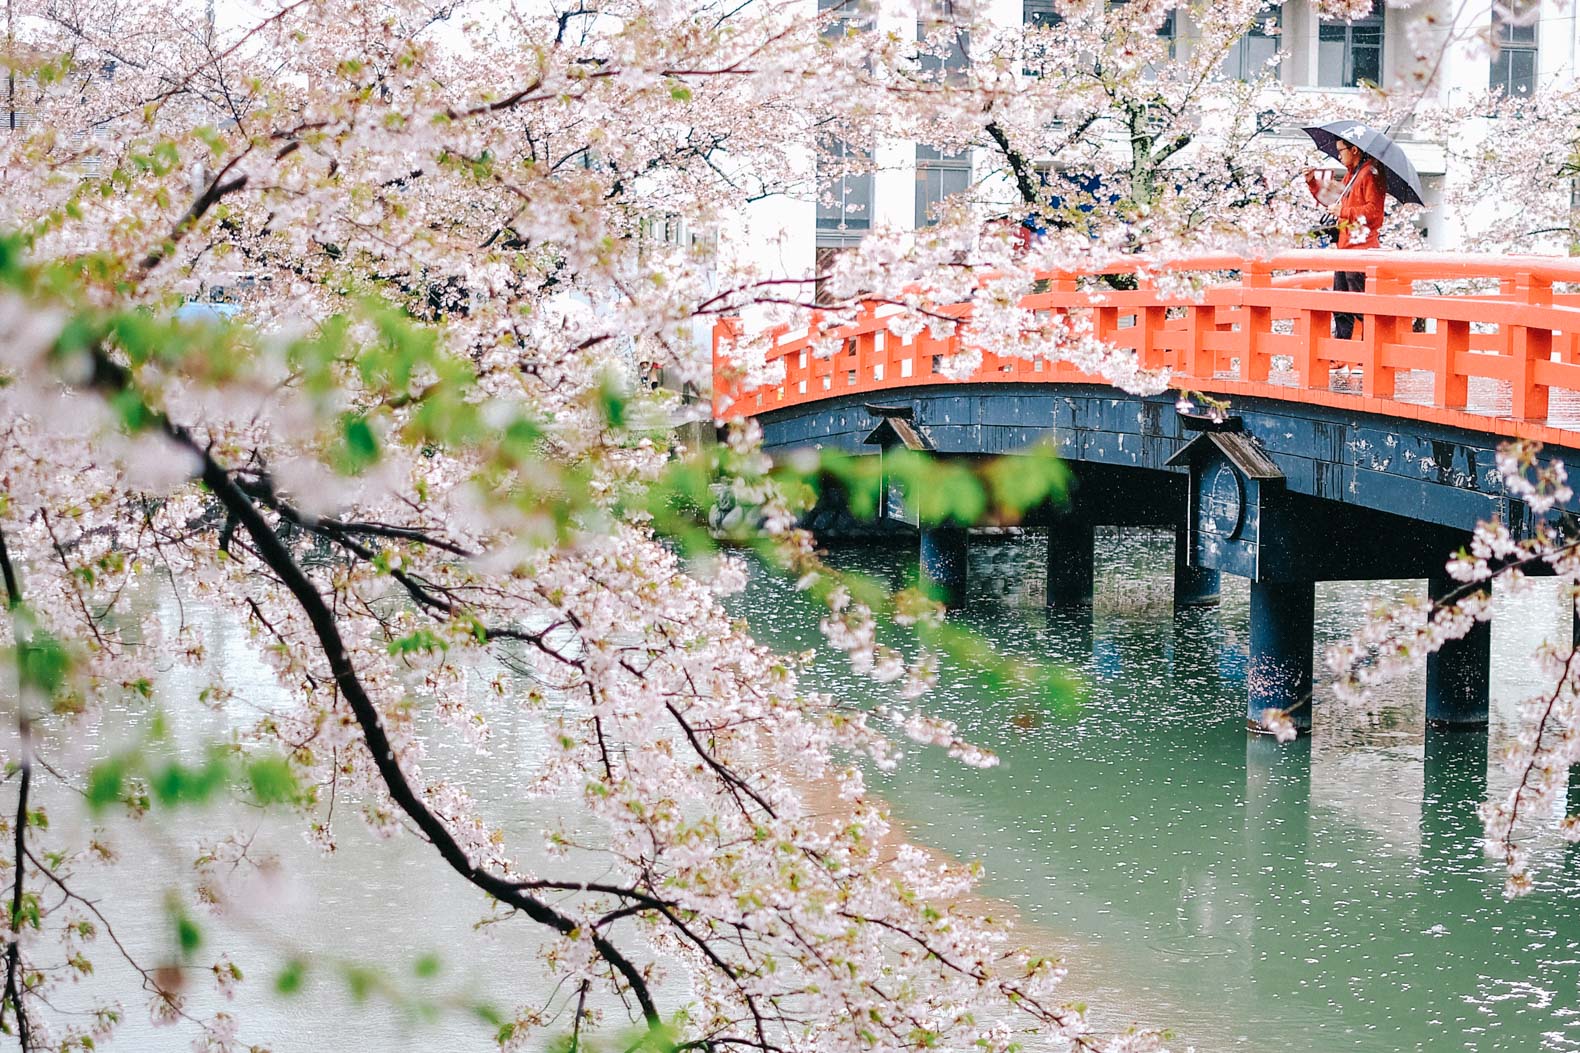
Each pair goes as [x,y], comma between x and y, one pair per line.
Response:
[13,954]
[110,378]
[150,980]
[13,951]
[217,188]
[264,492]
[1507,842]
[274,553]
[427,596]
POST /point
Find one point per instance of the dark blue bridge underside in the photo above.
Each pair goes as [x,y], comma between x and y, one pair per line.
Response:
[1400,493]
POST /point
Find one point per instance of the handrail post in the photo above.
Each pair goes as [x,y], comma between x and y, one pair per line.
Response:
[1529,345]
[1379,330]
[1256,321]
[861,344]
[776,351]
[725,330]
[1312,325]
[1066,284]
[1450,386]
[1200,319]
[1150,319]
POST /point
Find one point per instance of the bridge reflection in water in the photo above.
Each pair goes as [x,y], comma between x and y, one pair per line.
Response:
[1366,459]
[1316,896]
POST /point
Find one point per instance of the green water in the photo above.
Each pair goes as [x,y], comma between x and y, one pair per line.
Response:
[1326,895]
[1321,896]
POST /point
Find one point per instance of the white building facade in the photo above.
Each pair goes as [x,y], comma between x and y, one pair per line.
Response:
[1447,52]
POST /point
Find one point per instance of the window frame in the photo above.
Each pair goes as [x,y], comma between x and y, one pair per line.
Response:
[953,67]
[1378,20]
[847,188]
[1240,53]
[1509,43]
[931,161]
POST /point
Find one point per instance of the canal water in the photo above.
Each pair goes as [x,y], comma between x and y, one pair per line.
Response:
[1323,895]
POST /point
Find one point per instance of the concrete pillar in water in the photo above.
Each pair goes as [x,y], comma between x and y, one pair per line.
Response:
[1193,586]
[1281,638]
[1458,676]
[1071,561]
[943,562]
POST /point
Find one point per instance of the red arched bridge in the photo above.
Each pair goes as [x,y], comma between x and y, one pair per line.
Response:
[1364,458]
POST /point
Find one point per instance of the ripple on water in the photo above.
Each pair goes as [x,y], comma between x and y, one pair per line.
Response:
[1325,896]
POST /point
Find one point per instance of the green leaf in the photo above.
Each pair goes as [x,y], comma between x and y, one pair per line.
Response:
[131,409]
[44,662]
[519,443]
[422,641]
[105,781]
[489,1015]
[427,966]
[188,934]
[272,780]
[360,981]
[1021,482]
[291,978]
[11,255]
[359,446]
[176,783]
[612,403]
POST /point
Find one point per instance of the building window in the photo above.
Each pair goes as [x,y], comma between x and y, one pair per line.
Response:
[1514,35]
[938,176]
[1042,15]
[844,179]
[1252,56]
[947,58]
[1039,14]
[1166,30]
[844,17]
[1349,54]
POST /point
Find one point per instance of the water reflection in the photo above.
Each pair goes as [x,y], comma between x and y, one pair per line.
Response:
[1326,895]
[372,904]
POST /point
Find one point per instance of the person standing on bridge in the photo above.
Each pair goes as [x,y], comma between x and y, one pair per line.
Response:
[1357,205]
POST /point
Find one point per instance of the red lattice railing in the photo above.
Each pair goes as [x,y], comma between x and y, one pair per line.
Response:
[1505,362]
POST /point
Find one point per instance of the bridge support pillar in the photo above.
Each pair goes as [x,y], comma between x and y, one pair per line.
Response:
[1458,676]
[943,562]
[1282,620]
[1193,586]
[1071,561]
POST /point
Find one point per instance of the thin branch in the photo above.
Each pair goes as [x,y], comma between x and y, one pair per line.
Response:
[13,952]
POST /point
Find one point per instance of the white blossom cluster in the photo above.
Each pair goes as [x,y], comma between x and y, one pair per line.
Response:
[1546,743]
[420,456]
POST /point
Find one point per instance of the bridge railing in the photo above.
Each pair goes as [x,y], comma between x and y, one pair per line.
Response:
[1504,361]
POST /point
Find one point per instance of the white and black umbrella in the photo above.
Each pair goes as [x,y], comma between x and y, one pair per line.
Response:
[1403,182]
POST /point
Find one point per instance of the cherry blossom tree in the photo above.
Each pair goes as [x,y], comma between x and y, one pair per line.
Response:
[418,453]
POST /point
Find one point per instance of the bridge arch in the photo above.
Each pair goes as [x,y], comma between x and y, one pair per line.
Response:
[1390,437]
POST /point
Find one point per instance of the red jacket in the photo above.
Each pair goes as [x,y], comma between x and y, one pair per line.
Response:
[1359,209]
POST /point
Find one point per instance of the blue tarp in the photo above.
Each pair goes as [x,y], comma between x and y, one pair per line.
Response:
[1087,189]
[205,311]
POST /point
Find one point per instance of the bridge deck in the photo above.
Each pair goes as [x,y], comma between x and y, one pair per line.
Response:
[1485,344]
